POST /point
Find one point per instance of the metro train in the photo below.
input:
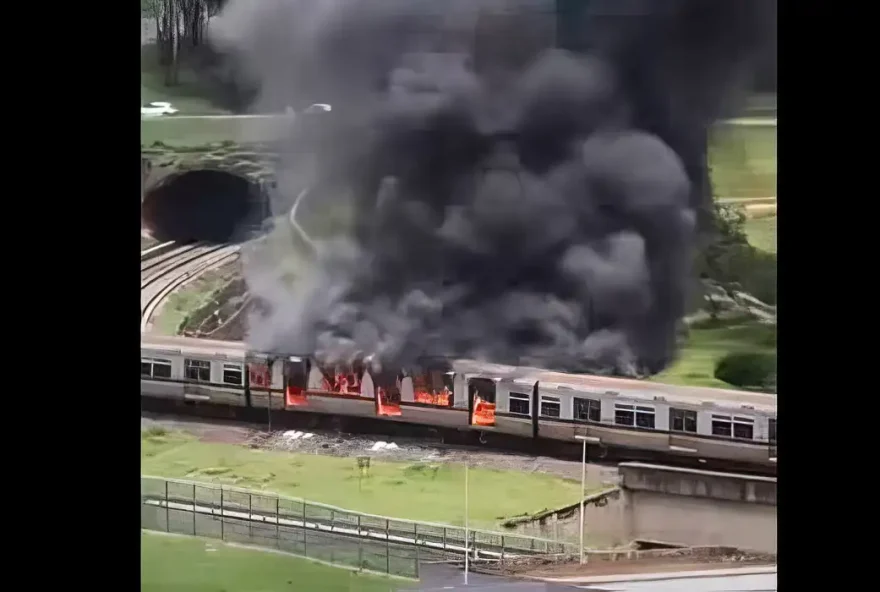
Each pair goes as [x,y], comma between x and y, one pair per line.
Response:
[608,413]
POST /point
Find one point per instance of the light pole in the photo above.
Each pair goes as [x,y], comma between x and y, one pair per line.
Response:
[584,440]
[466,533]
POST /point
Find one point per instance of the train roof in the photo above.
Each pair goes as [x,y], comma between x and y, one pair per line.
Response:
[189,345]
[605,385]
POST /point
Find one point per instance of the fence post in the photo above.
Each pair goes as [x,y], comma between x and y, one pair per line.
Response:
[444,538]
[278,522]
[418,557]
[387,547]
[305,529]
[194,510]
[222,517]
[502,549]
[332,520]
[360,554]
[167,511]
[250,517]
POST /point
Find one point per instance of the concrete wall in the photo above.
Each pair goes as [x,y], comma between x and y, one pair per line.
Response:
[699,521]
[603,522]
[693,507]
[671,505]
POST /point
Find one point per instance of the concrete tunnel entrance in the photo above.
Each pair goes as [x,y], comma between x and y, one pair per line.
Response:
[202,205]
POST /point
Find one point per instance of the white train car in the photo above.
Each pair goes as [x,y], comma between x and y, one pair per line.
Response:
[194,370]
[613,412]
[528,403]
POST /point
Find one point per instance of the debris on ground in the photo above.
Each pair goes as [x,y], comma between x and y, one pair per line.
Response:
[401,450]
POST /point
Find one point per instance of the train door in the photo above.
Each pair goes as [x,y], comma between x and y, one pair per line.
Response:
[296,381]
[481,401]
[259,377]
[386,386]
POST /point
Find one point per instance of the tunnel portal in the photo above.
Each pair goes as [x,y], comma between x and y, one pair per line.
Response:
[202,205]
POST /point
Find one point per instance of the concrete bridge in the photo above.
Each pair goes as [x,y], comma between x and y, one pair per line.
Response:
[669,505]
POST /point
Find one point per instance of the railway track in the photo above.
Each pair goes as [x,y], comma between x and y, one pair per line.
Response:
[167,271]
[464,441]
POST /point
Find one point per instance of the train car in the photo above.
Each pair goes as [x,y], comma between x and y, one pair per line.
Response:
[194,370]
[635,415]
[522,402]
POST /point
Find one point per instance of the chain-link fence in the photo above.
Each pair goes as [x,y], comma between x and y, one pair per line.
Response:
[319,531]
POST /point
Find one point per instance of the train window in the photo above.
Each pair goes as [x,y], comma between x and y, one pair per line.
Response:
[587,409]
[771,431]
[519,403]
[156,368]
[682,420]
[632,415]
[742,428]
[624,415]
[645,417]
[161,369]
[550,406]
[722,426]
[233,374]
[198,370]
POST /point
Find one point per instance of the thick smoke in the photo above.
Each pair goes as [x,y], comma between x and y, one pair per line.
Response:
[514,203]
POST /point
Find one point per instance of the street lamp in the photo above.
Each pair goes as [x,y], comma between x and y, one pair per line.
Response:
[584,440]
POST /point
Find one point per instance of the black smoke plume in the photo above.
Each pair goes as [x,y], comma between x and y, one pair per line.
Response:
[514,203]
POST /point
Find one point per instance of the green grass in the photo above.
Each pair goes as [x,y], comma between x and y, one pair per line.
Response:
[743,161]
[416,491]
[706,345]
[191,298]
[762,232]
[190,564]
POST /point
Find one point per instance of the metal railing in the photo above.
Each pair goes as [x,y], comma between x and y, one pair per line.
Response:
[319,531]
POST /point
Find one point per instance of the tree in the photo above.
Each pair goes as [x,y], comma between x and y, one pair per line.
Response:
[180,26]
[730,262]
[748,370]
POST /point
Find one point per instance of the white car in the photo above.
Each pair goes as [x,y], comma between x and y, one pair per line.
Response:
[157,108]
[318,108]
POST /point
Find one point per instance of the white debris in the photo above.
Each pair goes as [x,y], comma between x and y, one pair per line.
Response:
[296,435]
[383,446]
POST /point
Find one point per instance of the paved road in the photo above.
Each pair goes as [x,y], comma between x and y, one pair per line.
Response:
[746,582]
[438,577]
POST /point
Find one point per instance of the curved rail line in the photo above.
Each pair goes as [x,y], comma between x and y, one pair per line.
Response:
[163,274]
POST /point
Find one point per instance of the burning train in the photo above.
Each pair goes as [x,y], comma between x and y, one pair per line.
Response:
[634,418]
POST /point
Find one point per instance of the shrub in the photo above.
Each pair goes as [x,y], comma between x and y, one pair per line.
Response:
[747,369]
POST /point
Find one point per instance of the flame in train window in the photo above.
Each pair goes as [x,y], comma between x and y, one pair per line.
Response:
[342,379]
[259,375]
[431,388]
